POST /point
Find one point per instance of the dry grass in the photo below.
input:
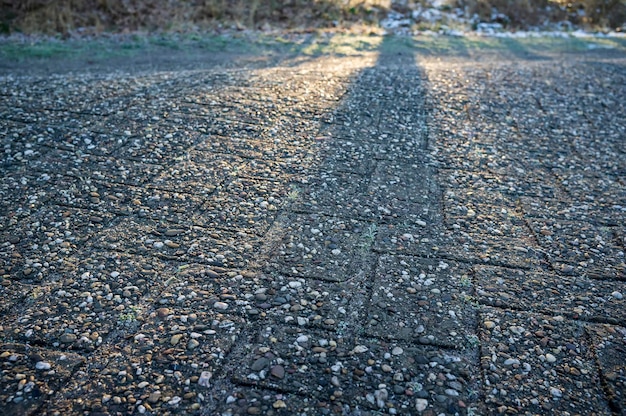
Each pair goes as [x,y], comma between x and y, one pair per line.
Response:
[524,13]
[64,16]
[68,16]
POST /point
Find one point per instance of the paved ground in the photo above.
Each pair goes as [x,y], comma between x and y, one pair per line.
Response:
[375,234]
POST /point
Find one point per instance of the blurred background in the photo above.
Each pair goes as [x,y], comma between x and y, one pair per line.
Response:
[75,17]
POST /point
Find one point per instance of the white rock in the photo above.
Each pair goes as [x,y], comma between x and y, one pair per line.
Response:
[617,295]
[359,349]
[421,404]
[204,379]
[555,392]
[222,306]
[42,365]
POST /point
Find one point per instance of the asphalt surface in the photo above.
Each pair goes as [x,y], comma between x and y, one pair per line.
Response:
[386,233]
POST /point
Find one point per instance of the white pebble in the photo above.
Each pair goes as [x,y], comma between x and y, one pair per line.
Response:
[222,306]
[617,295]
[42,365]
[397,351]
[359,349]
[302,339]
[555,392]
[204,379]
[421,404]
[550,358]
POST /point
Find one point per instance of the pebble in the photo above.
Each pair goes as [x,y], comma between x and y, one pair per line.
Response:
[617,295]
[550,358]
[260,364]
[154,397]
[359,349]
[220,306]
[42,365]
[511,361]
[397,351]
[302,339]
[278,371]
[380,396]
[67,338]
[204,379]
[489,324]
[175,339]
[421,404]
[192,344]
[555,392]
[279,404]
[163,312]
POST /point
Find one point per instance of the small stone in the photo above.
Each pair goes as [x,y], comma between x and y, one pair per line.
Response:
[511,361]
[359,349]
[555,392]
[253,410]
[174,231]
[279,404]
[220,306]
[67,338]
[175,339]
[260,364]
[421,404]
[336,252]
[397,351]
[380,396]
[302,339]
[154,397]
[386,368]
[163,312]
[489,324]
[42,365]
[617,295]
[278,371]
[204,379]
[192,344]
[550,358]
